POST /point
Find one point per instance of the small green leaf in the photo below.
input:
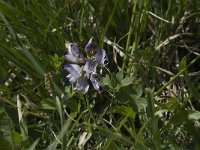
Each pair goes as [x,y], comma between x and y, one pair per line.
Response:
[47,104]
[184,62]
[119,76]
[117,79]
[124,110]
[139,91]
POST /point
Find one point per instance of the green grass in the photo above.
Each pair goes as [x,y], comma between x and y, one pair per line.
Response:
[150,96]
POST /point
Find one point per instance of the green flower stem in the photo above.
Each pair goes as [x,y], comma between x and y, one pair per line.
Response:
[89,108]
[129,34]
[176,76]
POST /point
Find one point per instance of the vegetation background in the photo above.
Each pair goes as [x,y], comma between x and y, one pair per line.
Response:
[150,96]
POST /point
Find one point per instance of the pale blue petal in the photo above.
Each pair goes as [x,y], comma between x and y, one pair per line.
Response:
[73,70]
[74,49]
[74,55]
[90,66]
[82,85]
[101,56]
[73,58]
[95,81]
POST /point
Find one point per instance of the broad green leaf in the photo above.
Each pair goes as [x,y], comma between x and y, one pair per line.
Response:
[113,146]
[18,138]
[3,74]
[4,144]
[126,94]
[194,115]
[33,146]
[172,104]
[6,130]
[48,104]
[129,93]
[19,60]
[106,81]
[142,103]
[177,119]
[126,81]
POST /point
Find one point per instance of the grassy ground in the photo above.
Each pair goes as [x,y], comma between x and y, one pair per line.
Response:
[150,90]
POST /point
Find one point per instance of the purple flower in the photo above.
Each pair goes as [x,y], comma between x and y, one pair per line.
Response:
[89,69]
[91,46]
[75,76]
[74,55]
[91,49]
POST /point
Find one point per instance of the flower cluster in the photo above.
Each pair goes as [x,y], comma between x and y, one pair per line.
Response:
[85,68]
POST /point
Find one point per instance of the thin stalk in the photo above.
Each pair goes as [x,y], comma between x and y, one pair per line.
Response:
[89,108]
[176,76]
[129,34]
[107,24]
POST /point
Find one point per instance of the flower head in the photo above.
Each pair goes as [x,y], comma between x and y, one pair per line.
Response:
[85,70]
[74,55]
